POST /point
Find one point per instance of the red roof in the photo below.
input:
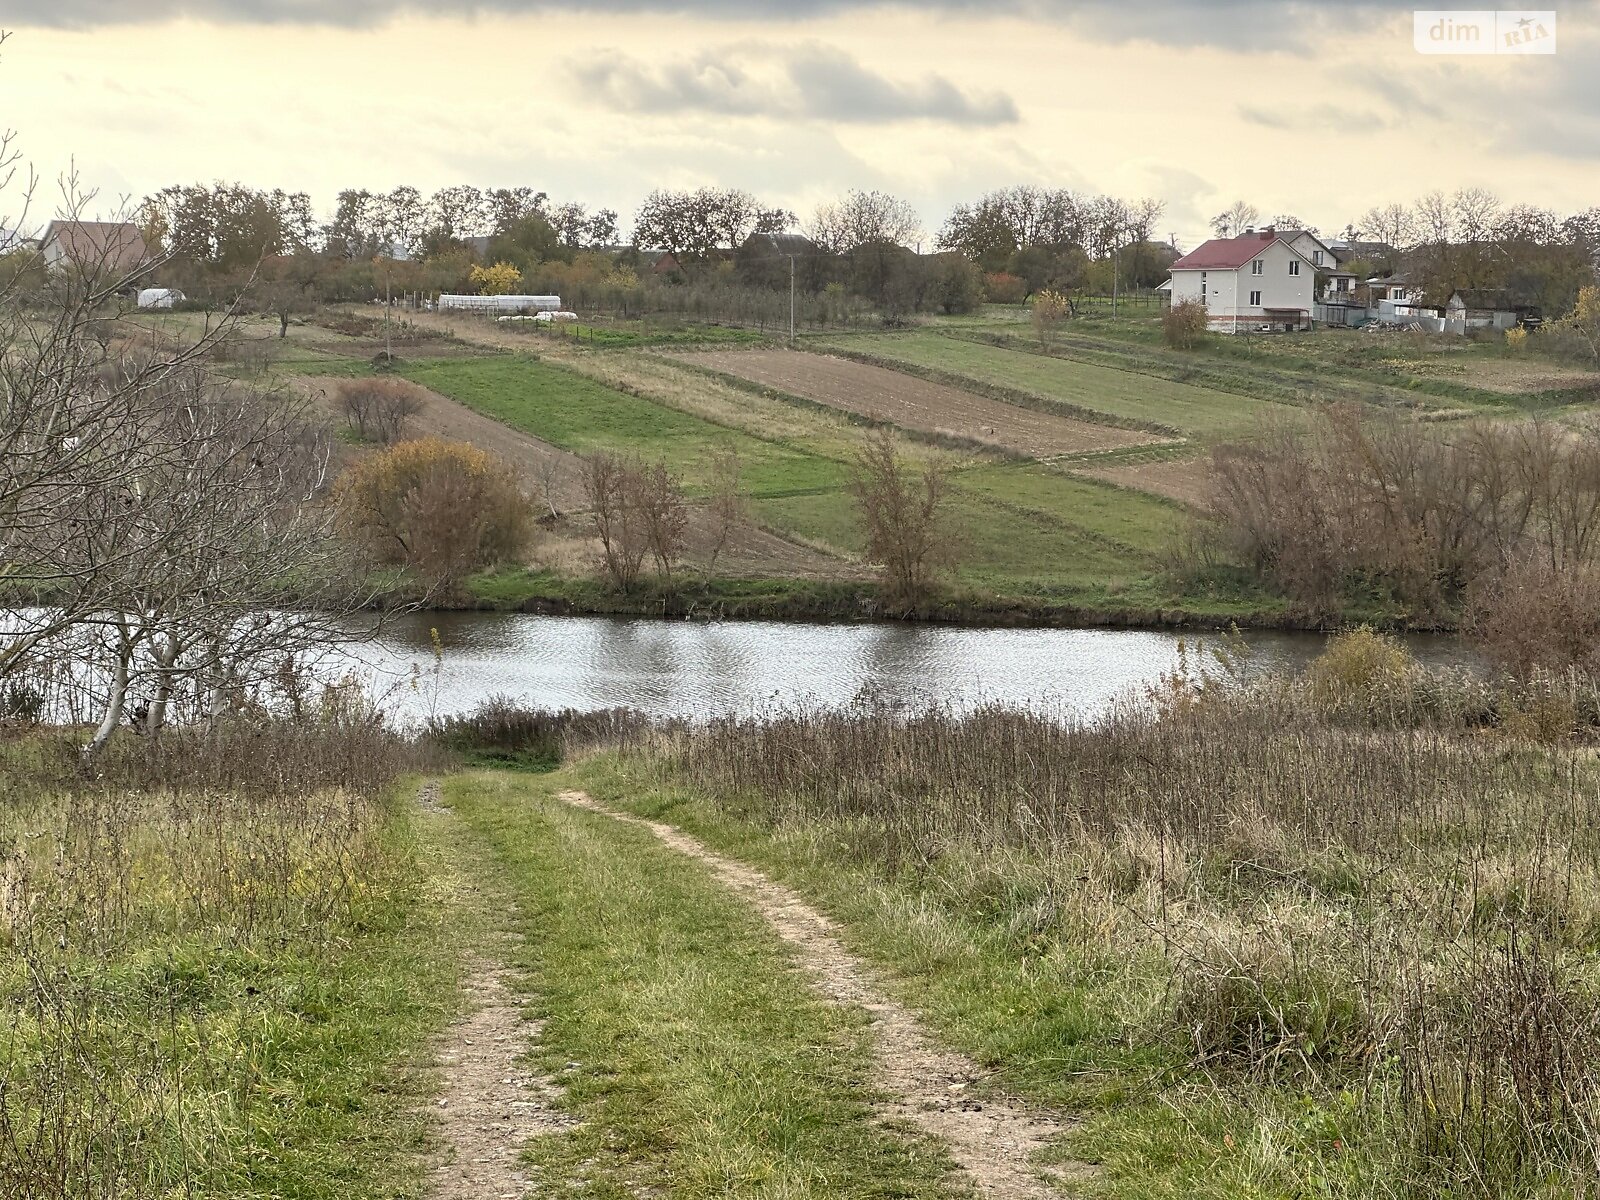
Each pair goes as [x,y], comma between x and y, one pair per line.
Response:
[1224,254]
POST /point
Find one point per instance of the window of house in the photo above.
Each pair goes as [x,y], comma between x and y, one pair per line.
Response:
[1255,299]
[1258,267]
[1399,293]
[1294,267]
[1316,258]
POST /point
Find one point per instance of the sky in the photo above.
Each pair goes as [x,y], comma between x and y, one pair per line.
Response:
[1321,110]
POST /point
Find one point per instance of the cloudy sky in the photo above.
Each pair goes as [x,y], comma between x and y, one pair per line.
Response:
[1317,109]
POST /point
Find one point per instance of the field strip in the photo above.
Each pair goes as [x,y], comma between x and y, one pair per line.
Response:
[991,1139]
[882,394]
[489,1106]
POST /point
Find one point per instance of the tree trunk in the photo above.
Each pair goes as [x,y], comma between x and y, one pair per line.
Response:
[157,716]
[115,702]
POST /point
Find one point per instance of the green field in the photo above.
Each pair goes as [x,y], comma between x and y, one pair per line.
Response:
[1016,533]
[1142,523]
[1196,411]
[578,414]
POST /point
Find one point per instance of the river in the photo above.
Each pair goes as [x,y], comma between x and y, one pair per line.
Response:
[693,669]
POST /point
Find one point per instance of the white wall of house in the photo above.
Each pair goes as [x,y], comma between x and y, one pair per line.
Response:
[1238,300]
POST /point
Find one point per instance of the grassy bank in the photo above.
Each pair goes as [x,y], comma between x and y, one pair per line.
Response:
[220,969]
[697,1061]
[1088,603]
[1332,939]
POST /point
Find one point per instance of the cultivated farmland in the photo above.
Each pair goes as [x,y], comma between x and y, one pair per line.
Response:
[1125,395]
[917,404]
[1186,480]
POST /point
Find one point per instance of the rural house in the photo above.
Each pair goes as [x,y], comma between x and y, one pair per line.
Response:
[112,247]
[1257,281]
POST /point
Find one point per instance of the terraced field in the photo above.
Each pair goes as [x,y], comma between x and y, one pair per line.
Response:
[1198,412]
[881,394]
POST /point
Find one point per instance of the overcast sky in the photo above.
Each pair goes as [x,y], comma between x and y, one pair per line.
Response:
[1322,110]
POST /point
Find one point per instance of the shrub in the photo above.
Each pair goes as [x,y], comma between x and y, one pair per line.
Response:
[499,728]
[1361,674]
[1050,308]
[1183,326]
[380,409]
[443,509]
[1533,617]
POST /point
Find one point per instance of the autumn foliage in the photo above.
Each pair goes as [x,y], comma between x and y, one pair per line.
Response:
[502,279]
[443,509]
[1050,309]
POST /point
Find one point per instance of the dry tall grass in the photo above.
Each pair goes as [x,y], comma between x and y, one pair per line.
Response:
[163,924]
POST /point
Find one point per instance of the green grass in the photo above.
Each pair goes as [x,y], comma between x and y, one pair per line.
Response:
[699,1062]
[1144,524]
[1002,547]
[627,334]
[1198,412]
[579,414]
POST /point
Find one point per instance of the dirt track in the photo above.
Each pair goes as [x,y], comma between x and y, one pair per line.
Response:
[991,1139]
[913,403]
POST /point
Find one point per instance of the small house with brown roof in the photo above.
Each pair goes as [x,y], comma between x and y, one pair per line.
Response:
[105,247]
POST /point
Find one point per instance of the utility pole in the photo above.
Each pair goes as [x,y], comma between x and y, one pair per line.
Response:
[1116,272]
[791,301]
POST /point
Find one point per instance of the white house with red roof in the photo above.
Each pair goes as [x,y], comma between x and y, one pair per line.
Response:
[1261,280]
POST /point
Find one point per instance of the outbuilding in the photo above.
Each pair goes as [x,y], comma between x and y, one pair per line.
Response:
[160,297]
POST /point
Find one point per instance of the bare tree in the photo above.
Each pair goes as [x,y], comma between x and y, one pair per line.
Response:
[728,507]
[658,499]
[548,474]
[624,540]
[1235,219]
[904,515]
[380,409]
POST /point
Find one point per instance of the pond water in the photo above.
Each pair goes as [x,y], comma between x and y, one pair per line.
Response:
[698,670]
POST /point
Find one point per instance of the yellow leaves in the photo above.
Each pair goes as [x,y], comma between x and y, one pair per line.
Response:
[502,279]
[1588,309]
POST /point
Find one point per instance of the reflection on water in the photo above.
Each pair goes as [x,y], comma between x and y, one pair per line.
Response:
[672,668]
